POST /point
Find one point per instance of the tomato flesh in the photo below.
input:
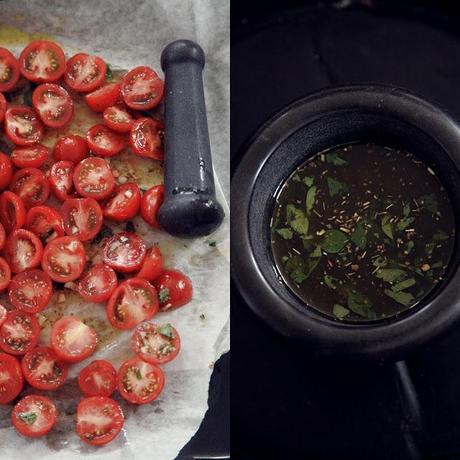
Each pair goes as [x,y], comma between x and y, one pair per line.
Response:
[98,379]
[98,283]
[9,71]
[22,126]
[125,203]
[147,137]
[6,170]
[23,250]
[93,178]
[153,264]
[33,156]
[61,180]
[151,201]
[85,73]
[31,185]
[174,289]
[71,148]
[34,416]
[103,97]
[11,379]
[12,211]
[142,88]
[104,142]
[19,333]
[5,275]
[45,222]
[82,218]
[3,312]
[124,252]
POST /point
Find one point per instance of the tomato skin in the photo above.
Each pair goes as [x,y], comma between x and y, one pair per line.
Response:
[71,148]
[5,275]
[153,265]
[124,252]
[61,180]
[82,218]
[28,324]
[52,113]
[31,185]
[118,119]
[104,142]
[133,88]
[81,62]
[149,371]
[45,222]
[2,107]
[23,283]
[23,250]
[45,416]
[12,211]
[11,74]
[142,296]
[174,289]
[125,203]
[33,156]
[146,138]
[90,385]
[103,97]
[21,117]
[30,364]
[90,409]
[98,169]
[150,204]
[2,236]
[98,283]
[6,170]
[12,385]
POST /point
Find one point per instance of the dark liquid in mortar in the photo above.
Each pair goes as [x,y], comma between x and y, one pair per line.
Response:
[362,232]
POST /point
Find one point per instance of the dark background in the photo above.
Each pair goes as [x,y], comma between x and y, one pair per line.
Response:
[285,403]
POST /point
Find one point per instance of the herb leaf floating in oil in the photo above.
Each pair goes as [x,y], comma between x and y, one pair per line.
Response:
[353,236]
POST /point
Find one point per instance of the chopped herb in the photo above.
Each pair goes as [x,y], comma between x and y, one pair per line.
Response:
[334,241]
[27,417]
[401,286]
[163,295]
[213,244]
[429,202]
[166,330]
[299,269]
[360,304]
[387,227]
[307,243]
[308,181]
[296,178]
[329,281]
[390,275]
[406,210]
[310,200]
[297,219]
[108,73]
[409,246]
[285,233]
[404,223]
[429,247]
[359,236]
[403,298]
[334,159]
[339,311]
[317,252]
[336,187]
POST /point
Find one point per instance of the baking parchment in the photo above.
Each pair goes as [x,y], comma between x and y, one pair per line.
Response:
[126,34]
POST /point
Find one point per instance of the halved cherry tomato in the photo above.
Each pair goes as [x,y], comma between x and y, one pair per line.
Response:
[71,148]
[43,369]
[85,73]
[22,126]
[12,211]
[42,61]
[3,313]
[93,178]
[140,382]
[5,274]
[19,333]
[61,180]
[64,259]
[34,416]
[6,170]
[2,236]
[53,105]
[82,218]
[11,380]
[99,420]
[9,71]
[98,283]
[98,379]
[33,156]
[142,88]
[72,340]
[125,203]
[2,107]
[124,252]
[174,289]
[146,138]
[23,250]
[104,142]
[30,291]
[103,97]
[151,201]
[31,185]
[45,222]
[152,266]
[155,344]
[118,119]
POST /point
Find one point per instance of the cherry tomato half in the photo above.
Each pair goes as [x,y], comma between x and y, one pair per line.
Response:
[9,71]
[118,119]
[98,283]
[125,203]
[12,211]
[34,416]
[61,180]
[53,105]
[174,289]
[2,107]
[19,333]
[142,88]
[3,313]
[22,126]
[152,266]
[5,274]
[11,380]
[85,73]
[82,218]
[2,236]
[45,222]
[71,148]
[6,171]
[42,61]
[124,252]
[104,142]
[103,97]
[32,156]
[151,201]
[98,379]
[23,250]
[93,178]
[146,138]
[31,185]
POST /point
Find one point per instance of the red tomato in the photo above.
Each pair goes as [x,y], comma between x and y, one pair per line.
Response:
[12,211]
[124,252]
[33,156]
[2,236]
[9,71]
[30,291]
[31,185]
[155,344]
[93,178]
[64,259]
[174,289]
[97,284]
[140,382]
[5,275]
[71,148]
[133,301]
[43,370]
[45,222]
[150,204]
[72,340]
[152,266]
[82,218]
[118,119]
[142,88]
[6,171]
[103,97]
[104,142]
[3,313]
[34,416]
[125,204]
[23,250]
[2,107]
[42,61]
[19,333]
[53,105]
[146,138]
[11,380]
[22,126]
[98,379]
[85,73]
[61,180]
[99,420]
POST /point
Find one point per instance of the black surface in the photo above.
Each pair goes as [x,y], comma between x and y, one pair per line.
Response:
[285,404]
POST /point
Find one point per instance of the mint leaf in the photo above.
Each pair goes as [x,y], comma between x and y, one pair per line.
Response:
[27,417]
[336,187]
[334,241]
[401,286]
[308,181]
[166,330]
[334,159]
[285,233]
[387,227]
[404,223]
[403,298]
[163,295]
[339,311]
[360,304]
[359,236]
[310,200]
[390,275]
